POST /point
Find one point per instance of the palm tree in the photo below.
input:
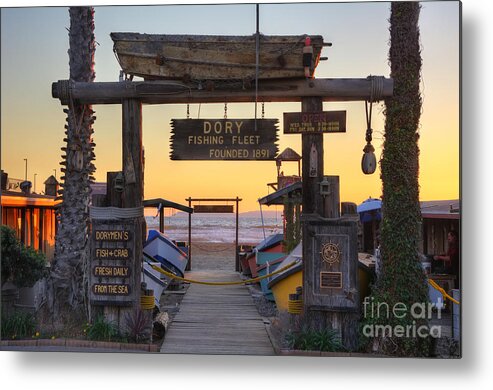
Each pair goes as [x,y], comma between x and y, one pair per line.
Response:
[68,276]
[402,278]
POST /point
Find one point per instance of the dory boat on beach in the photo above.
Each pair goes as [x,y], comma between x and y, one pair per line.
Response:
[285,283]
[267,250]
[153,279]
[268,255]
[215,57]
[161,249]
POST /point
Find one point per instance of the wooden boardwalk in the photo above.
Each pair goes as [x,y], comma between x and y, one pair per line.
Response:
[217,320]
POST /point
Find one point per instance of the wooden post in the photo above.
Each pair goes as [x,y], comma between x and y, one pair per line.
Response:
[312,202]
[161,219]
[41,229]
[132,197]
[189,264]
[332,201]
[312,162]
[133,161]
[23,225]
[237,259]
[113,197]
[321,309]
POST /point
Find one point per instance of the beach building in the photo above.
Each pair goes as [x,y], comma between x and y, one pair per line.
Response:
[31,215]
[439,217]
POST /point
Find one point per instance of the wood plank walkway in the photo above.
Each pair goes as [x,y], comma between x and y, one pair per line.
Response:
[217,320]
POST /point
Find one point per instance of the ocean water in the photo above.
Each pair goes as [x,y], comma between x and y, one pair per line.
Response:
[218,228]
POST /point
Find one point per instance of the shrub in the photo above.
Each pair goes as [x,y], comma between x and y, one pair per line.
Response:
[23,266]
[102,330]
[138,325]
[326,340]
[18,325]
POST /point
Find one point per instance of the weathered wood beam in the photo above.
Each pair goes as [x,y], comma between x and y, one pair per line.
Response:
[132,155]
[163,92]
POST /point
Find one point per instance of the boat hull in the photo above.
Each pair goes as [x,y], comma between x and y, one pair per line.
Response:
[154,280]
[213,57]
[284,287]
[267,268]
[161,249]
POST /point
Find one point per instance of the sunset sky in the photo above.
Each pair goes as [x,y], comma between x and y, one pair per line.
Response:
[34,44]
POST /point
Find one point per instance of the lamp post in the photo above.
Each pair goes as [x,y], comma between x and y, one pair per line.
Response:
[35,182]
[25,176]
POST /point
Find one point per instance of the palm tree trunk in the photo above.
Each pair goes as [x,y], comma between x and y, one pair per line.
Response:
[68,272]
[402,279]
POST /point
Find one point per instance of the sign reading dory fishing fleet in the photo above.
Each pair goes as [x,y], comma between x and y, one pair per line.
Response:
[112,263]
[223,139]
[314,122]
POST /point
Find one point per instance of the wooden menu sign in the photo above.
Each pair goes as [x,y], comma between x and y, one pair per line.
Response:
[112,280]
[224,139]
[314,122]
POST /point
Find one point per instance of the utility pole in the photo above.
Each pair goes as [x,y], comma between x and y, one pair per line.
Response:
[25,176]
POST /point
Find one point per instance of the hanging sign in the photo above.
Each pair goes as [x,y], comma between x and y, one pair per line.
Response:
[224,139]
[216,208]
[113,263]
[314,122]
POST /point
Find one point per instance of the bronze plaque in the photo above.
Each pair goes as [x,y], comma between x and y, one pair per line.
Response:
[330,279]
[314,122]
[224,139]
[330,253]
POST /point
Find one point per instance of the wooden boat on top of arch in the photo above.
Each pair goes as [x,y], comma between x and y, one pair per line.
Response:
[214,57]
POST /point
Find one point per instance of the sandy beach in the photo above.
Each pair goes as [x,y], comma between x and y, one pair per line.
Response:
[216,256]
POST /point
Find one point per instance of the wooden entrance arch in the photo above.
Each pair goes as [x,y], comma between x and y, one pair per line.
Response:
[310,92]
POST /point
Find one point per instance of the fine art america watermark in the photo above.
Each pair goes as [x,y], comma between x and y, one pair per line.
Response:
[417,312]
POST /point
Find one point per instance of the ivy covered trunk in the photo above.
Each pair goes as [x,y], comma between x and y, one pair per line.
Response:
[67,288]
[402,281]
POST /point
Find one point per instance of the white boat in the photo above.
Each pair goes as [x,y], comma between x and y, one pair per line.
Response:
[161,249]
[154,280]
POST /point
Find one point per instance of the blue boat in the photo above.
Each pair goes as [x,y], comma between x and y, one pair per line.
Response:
[268,255]
[269,249]
[265,269]
[163,250]
[269,242]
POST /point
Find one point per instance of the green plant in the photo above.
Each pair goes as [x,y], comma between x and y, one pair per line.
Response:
[138,325]
[102,330]
[18,325]
[22,265]
[293,225]
[325,340]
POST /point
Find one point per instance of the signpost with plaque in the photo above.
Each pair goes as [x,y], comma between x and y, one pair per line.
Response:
[314,122]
